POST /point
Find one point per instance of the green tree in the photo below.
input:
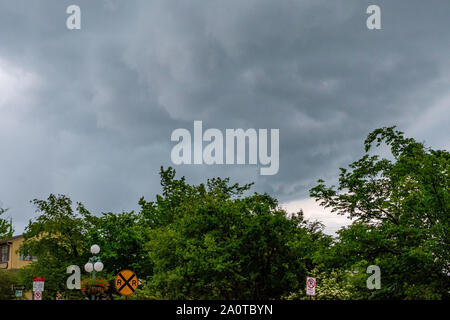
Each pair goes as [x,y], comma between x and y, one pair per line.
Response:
[400,207]
[61,236]
[58,239]
[122,239]
[6,228]
[212,242]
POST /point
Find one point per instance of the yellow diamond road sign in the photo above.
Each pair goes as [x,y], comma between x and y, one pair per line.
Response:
[126,282]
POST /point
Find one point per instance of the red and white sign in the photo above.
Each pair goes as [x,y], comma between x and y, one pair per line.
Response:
[38,284]
[310,286]
[37,295]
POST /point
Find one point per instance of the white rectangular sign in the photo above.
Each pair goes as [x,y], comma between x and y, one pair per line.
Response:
[38,284]
[310,286]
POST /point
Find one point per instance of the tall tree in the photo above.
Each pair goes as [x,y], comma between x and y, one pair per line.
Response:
[58,238]
[401,210]
[213,242]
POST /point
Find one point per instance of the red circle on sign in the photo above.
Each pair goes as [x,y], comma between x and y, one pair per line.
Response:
[311,283]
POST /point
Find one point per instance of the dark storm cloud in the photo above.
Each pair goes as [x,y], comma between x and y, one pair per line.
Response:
[89,113]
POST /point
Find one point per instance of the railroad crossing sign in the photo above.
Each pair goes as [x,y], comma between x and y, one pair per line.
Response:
[310,286]
[126,282]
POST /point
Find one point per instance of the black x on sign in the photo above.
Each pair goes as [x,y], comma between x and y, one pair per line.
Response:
[126,282]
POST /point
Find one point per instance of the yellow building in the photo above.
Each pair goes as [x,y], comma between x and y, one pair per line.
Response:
[11,259]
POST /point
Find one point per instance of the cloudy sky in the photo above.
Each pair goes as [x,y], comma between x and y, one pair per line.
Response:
[89,112]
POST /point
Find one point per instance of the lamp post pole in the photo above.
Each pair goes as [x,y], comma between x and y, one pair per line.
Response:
[94,263]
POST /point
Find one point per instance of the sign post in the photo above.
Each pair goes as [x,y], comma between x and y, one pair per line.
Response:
[311,286]
[18,291]
[38,288]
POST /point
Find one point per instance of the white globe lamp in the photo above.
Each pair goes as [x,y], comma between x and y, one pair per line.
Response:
[95,249]
[98,266]
[88,267]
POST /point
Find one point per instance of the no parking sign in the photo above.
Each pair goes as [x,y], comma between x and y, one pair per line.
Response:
[310,286]
[38,287]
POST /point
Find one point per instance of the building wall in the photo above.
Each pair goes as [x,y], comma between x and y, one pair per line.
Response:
[14,255]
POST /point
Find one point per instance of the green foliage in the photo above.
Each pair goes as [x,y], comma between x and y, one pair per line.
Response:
[332,285]
[401,212]
[8,278]
[55,275]
[58,239]
[122,239]
[211,242]
[6,228]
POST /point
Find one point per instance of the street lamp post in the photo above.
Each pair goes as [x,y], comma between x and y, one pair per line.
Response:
[94,263]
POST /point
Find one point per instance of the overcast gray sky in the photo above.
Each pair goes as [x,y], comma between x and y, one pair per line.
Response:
[89,113]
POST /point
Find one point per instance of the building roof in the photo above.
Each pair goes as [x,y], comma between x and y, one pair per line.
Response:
[6,240]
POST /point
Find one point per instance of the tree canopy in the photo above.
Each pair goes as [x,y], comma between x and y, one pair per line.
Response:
[212,242]
[400,208]
[220,240]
